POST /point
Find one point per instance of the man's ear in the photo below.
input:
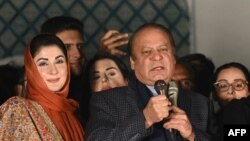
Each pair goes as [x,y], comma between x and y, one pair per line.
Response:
[132,63]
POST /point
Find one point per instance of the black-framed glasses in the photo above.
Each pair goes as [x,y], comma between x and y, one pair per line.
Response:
[223,85]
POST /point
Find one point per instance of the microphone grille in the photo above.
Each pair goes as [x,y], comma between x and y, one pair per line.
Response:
[173,88]
[173,92]
[160,85]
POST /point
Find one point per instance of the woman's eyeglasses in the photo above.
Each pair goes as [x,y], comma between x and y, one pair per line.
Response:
[237,85]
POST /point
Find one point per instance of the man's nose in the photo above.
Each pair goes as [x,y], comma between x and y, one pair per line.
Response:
[76,52]
[156,55]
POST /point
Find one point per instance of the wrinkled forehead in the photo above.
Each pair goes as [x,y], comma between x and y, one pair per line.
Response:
[148,31]
[147,34]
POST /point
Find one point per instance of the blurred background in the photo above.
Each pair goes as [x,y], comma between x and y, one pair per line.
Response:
[217,28]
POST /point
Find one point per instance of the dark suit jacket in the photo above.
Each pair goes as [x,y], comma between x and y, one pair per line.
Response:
[116,115]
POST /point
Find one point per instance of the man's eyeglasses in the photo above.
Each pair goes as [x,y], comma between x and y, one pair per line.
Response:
[237,85]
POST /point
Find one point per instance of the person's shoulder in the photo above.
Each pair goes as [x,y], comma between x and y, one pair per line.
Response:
[115,93]
[14,109]
[12,103]
[239,103]
[15,100]
[237,111]
[115,97]
[247,100]
[195,96]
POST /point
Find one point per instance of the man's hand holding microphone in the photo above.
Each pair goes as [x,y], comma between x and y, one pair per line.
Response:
[163,107]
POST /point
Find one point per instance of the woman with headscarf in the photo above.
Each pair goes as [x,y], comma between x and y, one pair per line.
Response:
[46,113]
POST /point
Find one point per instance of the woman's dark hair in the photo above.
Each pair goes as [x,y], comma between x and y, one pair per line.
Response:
[42,40]
[239,66]
[100,56]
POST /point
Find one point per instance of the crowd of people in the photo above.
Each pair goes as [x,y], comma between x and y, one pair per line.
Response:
[60,95]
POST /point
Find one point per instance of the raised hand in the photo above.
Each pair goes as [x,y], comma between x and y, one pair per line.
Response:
[112,40]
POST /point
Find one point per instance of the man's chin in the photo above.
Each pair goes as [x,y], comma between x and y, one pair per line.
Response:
[160,77]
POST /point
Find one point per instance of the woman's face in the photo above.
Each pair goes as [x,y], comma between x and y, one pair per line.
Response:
[231,84]
[52,66]
[105,74]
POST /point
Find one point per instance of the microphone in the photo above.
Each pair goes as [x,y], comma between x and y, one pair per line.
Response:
[161,87]
[173,92]
[170,91]
[172,96]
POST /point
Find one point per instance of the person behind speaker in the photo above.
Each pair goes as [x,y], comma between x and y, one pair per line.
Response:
[105,71]
[71,31]
[231,81]
[203,69]
[184,76]
[136,112]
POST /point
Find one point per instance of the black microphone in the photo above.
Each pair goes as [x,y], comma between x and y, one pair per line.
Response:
[161,87]
[171,92]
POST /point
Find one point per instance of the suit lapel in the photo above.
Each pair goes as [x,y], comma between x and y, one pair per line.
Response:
[142,92]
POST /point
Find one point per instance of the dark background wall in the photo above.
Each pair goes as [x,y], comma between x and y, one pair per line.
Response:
[20,20]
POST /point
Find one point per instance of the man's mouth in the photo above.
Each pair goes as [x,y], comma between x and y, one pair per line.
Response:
[158,68]
[74,62]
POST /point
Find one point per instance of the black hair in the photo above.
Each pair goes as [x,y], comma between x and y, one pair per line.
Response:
[198,58]
[42,40]
[149,25]
[189,68]
[204,70]
[100,56]
[61,23]
[237,65]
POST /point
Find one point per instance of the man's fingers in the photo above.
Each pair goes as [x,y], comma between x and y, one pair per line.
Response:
[116,45]
[176,109]
[109,33]
[117,52]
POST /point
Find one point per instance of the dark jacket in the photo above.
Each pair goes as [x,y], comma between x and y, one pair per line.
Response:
[116,115]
